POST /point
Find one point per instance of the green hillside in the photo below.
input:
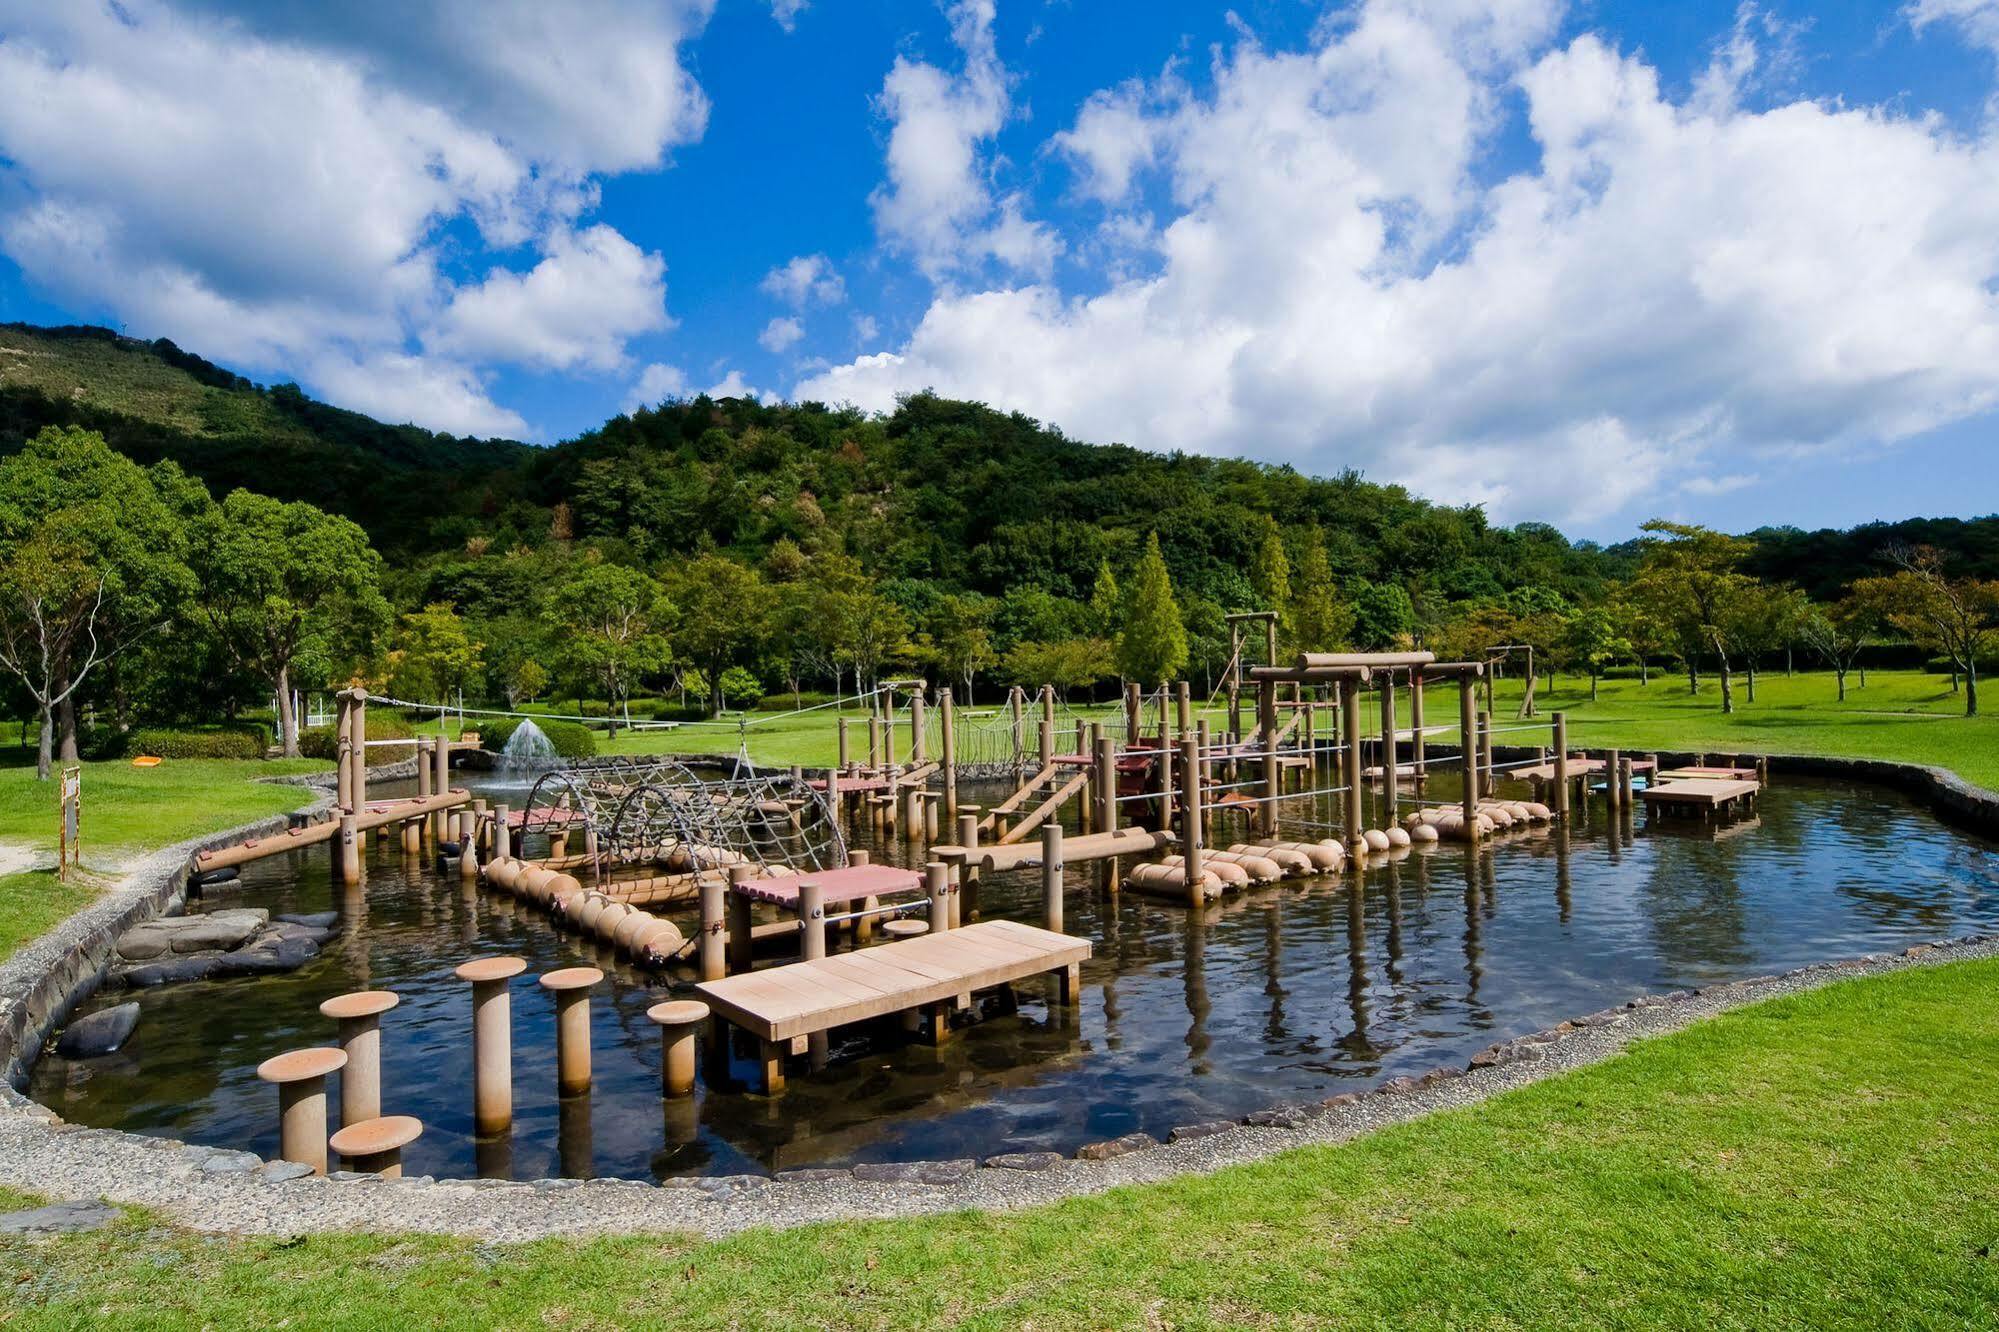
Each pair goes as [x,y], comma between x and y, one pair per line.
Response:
[152,400]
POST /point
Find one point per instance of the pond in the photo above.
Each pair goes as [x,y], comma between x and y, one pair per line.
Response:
[1287,993]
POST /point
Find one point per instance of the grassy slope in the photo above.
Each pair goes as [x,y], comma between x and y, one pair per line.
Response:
[1707,1179]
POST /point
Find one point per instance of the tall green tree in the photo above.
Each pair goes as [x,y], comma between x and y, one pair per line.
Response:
[1152,647]
[1270,574]
[1955,616]
[1591,640]
[1839,631]
[1691,576]
[722,607]
[435,654]
[1383,617]
[1319,620]
[1106,603]
[961,629]
[275,577]
[93,560]
[613,621]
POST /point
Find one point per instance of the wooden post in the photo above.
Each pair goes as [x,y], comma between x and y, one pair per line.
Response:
[1266,720]
[424,767]
[937,883]
[739,920]
[1183,711]
[1047,725]
[1202,747]
[1390,771]
[1235,682]
[811,921]
[350,850]
[1624,792]
[441,782]
[492,1042]
[359,1016]
[1350,765]
[919,742]
[1468,751]
[343,741]
[1134,719]
[947,719]
[965,901]
[714,929]
[1561,723]
[1485,780]
[1612,761]
[1016,702]
[1051,876]
[300,1076]
[1190,816]
[571,987]
[359,785]
[1416,764]
[874,742]
[843,743]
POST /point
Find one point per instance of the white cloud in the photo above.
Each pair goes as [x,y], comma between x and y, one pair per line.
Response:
[865,328]
[592,291]
[1719,485]
[656,383]
[1112,139]
[272,187]
[780,333]
[807,279]
[1676,288]
[1979,19]
[424,390]
[935,205]
[786,13]
[733,385]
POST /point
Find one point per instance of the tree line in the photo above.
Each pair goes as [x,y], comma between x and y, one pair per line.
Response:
[131,593]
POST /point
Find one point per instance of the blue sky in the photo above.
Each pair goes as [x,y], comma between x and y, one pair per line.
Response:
[1584,264]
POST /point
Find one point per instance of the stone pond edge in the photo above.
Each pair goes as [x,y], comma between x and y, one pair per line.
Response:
[220,1190]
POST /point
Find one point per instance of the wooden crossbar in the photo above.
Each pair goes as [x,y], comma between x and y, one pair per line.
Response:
[1040,813]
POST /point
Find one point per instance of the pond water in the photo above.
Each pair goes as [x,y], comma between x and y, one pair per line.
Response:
[1285,994]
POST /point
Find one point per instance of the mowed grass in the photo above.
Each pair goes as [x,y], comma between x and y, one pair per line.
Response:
[127,812]
[1824,1160]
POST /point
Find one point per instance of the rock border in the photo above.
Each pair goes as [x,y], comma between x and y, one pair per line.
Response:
[235,1192]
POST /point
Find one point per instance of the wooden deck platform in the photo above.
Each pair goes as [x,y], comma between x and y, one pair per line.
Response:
[1075,849]
[926,973]
[1718,774]
[838,887]
[1578,767]
[1700,792]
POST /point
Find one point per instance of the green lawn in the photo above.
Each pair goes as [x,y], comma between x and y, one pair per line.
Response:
[1825,1160]
[127,812]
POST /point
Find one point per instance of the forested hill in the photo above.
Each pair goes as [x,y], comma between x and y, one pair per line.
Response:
[940,495]
[151,400]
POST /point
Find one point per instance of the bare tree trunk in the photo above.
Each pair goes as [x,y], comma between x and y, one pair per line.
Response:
[1751,669]
[45,749]
[1971,689]
[287,718]
[1644,672]
[1727,685]
[1592,686]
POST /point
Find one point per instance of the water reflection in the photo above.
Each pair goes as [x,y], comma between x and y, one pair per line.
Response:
[1287,993]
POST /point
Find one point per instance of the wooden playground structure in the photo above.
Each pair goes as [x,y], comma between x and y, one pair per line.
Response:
[790,933]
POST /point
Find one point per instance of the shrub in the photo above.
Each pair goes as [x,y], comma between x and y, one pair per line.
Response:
[740,688]
[205,742]
[804,698]
[317,741]
[571,740]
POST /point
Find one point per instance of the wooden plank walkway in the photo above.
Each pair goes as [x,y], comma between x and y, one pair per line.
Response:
[779,1004]
[1700,792]
[1719,774]
[1075,849]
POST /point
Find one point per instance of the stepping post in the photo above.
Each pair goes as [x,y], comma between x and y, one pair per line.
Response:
[571,987]
[492,1042]
[503,835]
[375,1146]
[300,1076]
[1391,773]
[937,883]
[350,849]
[1051,875]
[679,1023]
[360,1018]
[1561,725]
[1468,753]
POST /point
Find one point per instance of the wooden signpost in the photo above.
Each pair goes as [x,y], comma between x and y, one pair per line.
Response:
[69,846]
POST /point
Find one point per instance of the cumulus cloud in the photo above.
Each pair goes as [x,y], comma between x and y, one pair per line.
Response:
[733,385]
[786,13]
[936,205]
[807,279]
[273,184]
[592,291]
[656,383]
[1674,289]
[780,333]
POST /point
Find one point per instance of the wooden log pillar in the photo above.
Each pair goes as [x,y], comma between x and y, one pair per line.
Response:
[1561,726]
[1486,782]
[874,742]
[1134,714]
[1266,720]
[1105,750]
[1416,727]
[965,901]
[937,885]
[1202,743]
[441,782]
[1047,725]
[358,784]
[1390,772]
[300,1077]
[350,849]
[1016,702]
[1624,791]
[1183,707]
[1235,682]
[919,740]
[1468,751]
[571,987]
[424,768]
[1190,816]
[492,1042]
[740,923]
[1350,767]
[1613,797]
[714,959]
[947,719]
[1051,876]
[503,833]
[843,743]
[343,741]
